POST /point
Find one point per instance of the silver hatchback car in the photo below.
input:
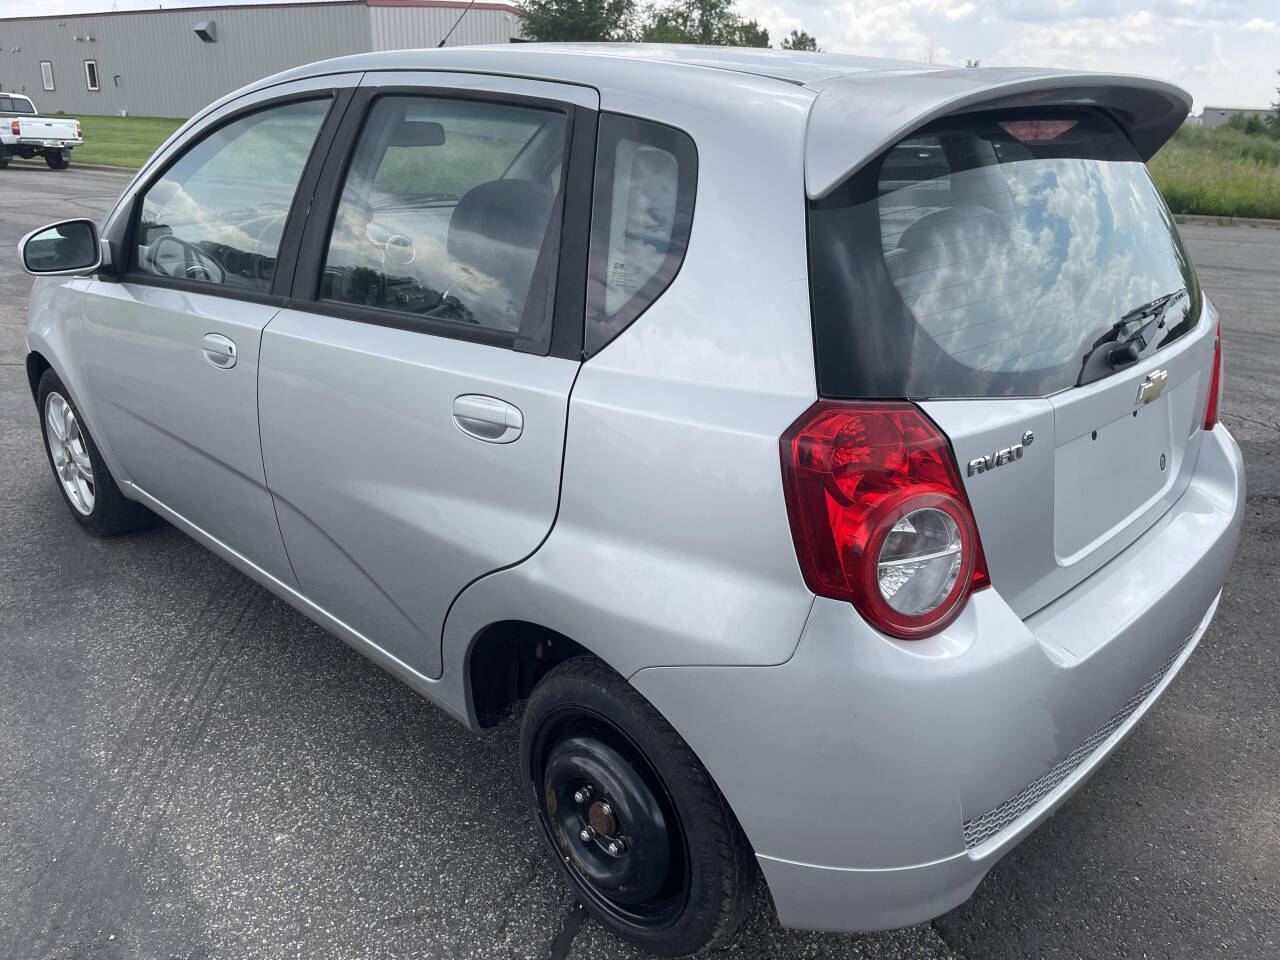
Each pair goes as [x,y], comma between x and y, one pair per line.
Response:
[821,454]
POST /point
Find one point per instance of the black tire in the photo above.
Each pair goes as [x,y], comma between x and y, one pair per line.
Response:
[111,513]
[4,162]
[56,161]
[586,728]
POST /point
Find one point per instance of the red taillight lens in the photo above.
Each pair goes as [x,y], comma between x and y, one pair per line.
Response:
[79,135]
[879,515]
[1215,383]
[17,130]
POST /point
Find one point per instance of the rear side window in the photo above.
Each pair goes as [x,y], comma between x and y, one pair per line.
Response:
[16,105]
[985,255]
[646,177]
[447,209]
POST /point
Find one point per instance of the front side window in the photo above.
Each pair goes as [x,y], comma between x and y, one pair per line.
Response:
[91,74]
[643,206]
[448,209]
[217,215]
[987,256]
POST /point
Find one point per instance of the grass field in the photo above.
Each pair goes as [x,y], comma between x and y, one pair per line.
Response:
[1219,172]
[122,141]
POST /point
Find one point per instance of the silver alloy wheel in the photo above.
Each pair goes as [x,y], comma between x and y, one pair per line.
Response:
[69,451]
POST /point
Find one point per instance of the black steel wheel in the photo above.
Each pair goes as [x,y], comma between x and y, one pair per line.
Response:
[632,819]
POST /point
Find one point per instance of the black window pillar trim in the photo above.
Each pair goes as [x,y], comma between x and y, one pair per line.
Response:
[570,293]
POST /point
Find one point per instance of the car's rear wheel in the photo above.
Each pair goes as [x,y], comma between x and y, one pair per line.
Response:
[632,819]
[56,161]
[86,484]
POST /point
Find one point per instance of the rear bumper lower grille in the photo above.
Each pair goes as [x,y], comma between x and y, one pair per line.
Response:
[982,828]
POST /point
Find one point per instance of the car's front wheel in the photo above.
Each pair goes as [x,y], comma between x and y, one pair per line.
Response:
[86,484]
[632,819]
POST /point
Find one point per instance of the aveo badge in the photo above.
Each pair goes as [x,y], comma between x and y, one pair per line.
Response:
[1001,457]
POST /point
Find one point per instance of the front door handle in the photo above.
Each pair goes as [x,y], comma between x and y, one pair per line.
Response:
[219,350]
[487,418]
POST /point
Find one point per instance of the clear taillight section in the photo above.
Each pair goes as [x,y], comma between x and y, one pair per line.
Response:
[1215,384]
[15,128]
[879,515]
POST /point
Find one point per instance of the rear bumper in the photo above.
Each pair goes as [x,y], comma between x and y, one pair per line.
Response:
[880,780]
[53,143]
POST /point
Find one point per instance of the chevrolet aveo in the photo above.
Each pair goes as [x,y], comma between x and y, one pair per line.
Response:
[821,455]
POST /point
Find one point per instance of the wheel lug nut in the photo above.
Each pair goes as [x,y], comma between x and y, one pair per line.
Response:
[606,810]
[582,795]
[615,847]
[586,834]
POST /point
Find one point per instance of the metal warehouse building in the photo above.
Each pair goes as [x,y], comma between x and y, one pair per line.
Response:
[170,63]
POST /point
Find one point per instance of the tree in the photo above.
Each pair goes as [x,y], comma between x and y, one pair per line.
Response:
[799,40]
[713,22]
[972,63]
[578,19]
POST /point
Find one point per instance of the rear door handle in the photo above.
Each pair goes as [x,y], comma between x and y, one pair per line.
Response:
[487,418]
[219,350]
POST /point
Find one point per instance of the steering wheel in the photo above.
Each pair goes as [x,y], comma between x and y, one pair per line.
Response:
[196,264]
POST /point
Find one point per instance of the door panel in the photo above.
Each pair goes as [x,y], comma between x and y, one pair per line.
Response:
[171,348]
[387,506]
[412,416]
[185,429]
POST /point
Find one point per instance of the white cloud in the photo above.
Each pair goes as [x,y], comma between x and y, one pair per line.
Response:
[1258,25]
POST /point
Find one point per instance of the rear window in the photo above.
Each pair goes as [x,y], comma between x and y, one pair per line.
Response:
[986,254]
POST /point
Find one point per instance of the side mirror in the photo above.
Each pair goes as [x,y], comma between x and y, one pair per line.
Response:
[69,247]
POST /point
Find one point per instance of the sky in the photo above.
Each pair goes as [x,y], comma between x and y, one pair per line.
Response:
[1225,52]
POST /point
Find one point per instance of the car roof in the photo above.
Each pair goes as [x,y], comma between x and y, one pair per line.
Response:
[552,60]
[622,64]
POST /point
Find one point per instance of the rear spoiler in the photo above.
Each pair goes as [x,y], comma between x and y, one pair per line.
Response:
[854,118]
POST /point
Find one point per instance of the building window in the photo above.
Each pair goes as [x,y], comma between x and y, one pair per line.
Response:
[46,74]
[91,74]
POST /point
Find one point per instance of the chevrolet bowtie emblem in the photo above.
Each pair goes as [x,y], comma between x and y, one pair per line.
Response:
[1153,386]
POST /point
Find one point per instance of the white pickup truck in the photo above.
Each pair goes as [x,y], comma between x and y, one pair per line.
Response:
[24,133]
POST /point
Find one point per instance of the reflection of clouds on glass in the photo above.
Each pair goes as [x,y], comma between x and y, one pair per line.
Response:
[641,220]
[1019,266]
[229,194]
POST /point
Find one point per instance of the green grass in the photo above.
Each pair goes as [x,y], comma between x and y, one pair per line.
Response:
[122,141]
[1222,172]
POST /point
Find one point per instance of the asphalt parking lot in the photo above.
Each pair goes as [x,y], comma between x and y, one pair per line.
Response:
[189,768]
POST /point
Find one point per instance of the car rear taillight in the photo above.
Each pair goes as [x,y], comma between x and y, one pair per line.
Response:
[79,135]
[879,515]
[17,130]
[1215,383]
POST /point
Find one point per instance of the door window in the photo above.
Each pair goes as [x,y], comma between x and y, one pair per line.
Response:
[643,207]
[448,210]
[217,215]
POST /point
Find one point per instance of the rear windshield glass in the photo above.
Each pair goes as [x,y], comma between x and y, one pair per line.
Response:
[986,255]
